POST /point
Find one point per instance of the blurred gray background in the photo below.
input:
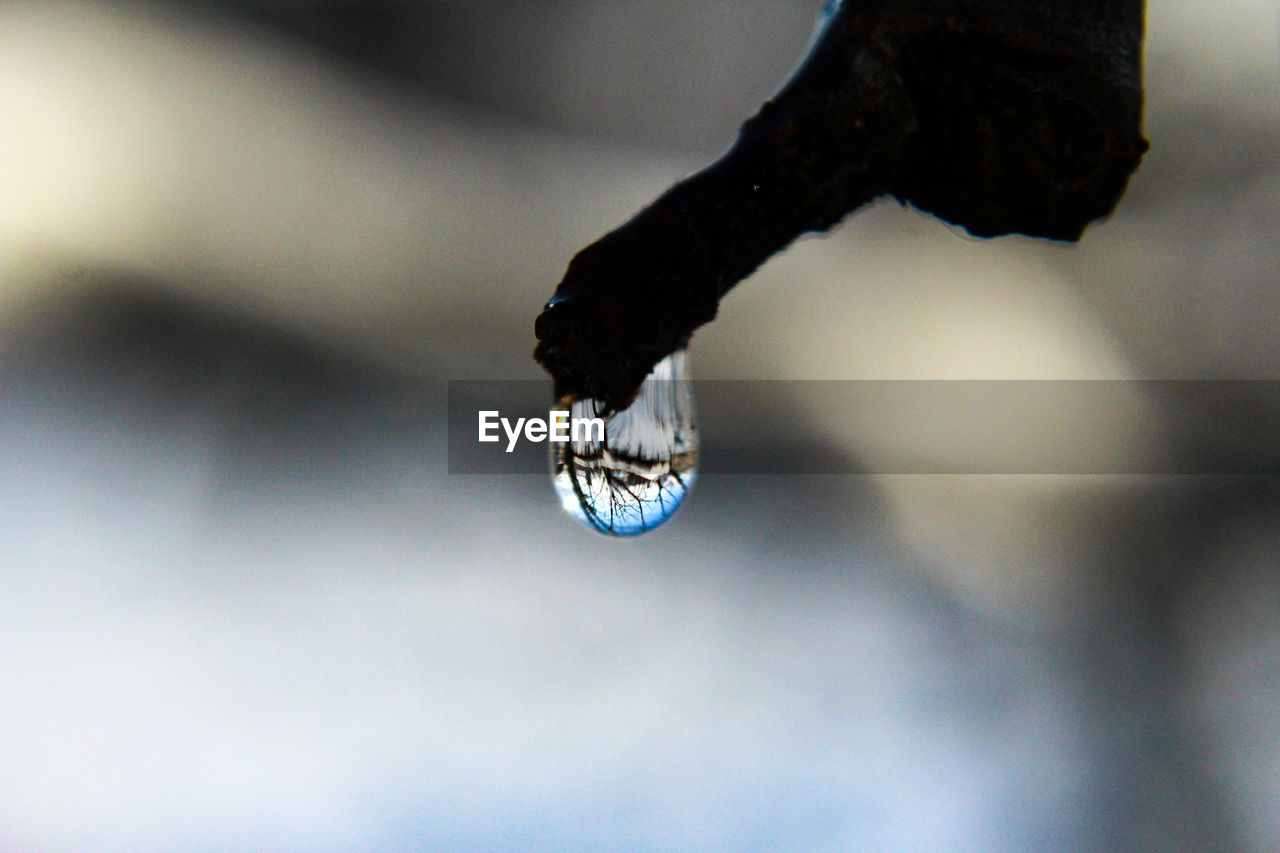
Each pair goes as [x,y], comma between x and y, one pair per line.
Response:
[244,606]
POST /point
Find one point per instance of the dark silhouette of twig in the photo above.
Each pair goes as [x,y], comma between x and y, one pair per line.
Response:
[999,115]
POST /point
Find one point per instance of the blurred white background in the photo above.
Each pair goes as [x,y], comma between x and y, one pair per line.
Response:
[243,605]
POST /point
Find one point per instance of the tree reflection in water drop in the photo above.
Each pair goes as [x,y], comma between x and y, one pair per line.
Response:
[637,476]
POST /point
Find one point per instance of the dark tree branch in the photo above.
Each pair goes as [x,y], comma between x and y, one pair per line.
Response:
[999,115]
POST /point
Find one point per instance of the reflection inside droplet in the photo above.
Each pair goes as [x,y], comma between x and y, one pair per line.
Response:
[635,478]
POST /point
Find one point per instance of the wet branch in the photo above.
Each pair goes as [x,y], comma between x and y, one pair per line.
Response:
[1001,116]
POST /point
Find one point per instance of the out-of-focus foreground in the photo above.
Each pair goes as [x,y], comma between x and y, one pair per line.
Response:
[243,605]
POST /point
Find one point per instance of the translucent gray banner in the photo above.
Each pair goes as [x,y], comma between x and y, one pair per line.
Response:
[1184,427]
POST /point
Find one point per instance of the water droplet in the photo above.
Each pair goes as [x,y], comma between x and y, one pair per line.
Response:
[635,478]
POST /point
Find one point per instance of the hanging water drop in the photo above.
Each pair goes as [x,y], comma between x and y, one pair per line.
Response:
[634,478]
